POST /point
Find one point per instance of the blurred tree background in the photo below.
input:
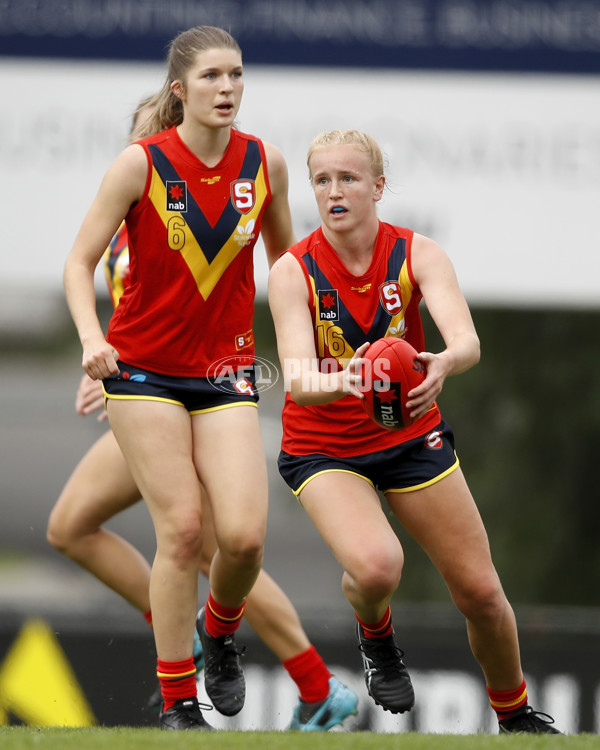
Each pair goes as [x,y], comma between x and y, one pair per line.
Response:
[527,425]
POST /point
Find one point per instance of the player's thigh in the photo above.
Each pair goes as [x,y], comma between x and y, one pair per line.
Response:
[100,487]
[443,518]
[156,439]
[347,512]
[230,460]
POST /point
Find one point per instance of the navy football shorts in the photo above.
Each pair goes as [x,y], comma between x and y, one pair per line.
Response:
[197,395]
[410,466]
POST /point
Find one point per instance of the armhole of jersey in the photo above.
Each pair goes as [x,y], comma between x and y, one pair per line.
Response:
[309,287]
[263,155]
[409,241]
[148,177]
[304,269]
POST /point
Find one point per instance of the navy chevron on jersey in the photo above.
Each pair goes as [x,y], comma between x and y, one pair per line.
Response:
[348,310]
[190,301]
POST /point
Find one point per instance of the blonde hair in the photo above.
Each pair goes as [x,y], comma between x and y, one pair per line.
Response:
[364,141]
[183,51]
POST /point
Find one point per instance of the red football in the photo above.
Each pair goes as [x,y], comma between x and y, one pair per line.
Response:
[391,371]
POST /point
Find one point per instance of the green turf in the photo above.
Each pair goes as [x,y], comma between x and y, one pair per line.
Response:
[28,738]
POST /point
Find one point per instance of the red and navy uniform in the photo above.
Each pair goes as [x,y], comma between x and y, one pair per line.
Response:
[196,394]
[190,301]
[348,310]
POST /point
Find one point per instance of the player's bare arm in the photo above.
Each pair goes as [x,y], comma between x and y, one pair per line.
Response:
[277,231]
[437,280]
[122,186]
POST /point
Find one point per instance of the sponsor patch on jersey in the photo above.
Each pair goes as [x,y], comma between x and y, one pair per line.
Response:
[244,232]
[244,340]
[243,195]
[176,195]
[328,304]
[390,296]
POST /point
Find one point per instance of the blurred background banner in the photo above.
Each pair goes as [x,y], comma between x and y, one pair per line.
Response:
[539,35]
[491,137]
[489,115]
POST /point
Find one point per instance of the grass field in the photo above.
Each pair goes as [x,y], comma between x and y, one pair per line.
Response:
[27,738]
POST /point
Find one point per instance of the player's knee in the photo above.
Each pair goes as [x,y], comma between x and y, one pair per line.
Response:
[248,553]
[54,538]
[483,601]
[378,575]
[242,548]
[59,533]
[185,544]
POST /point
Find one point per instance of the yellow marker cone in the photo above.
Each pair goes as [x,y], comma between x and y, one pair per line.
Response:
[37,683]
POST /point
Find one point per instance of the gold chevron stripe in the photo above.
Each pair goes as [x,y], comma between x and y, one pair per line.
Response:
[206,274]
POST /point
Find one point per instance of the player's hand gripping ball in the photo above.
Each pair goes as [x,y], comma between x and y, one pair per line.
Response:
[391,371]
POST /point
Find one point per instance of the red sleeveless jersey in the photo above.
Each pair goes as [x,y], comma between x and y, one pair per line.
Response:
[348,310]
[190,300]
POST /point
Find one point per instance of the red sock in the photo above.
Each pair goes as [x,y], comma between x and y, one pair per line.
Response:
[506,702]
[309,672]
[148,617]
[380,629]
[222,620]
[177,680]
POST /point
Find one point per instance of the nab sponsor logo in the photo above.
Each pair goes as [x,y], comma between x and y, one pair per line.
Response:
[388,404]
[328,304]
[176,195]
